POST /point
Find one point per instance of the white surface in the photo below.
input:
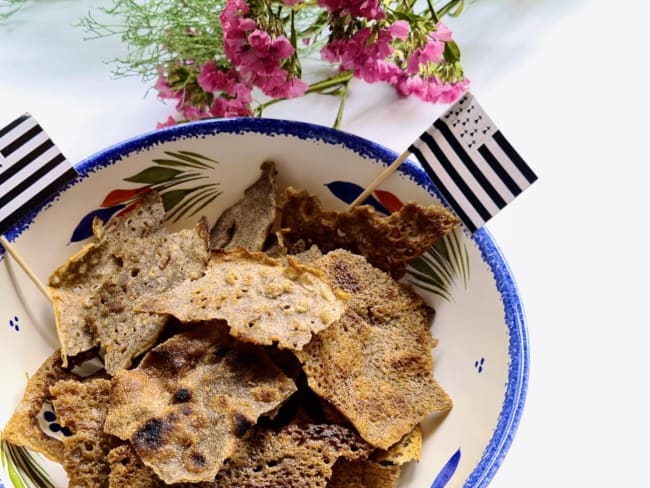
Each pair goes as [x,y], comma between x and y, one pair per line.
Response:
[565,81]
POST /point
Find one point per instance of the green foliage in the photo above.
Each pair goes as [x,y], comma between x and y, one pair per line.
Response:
[159,32]
[10,7]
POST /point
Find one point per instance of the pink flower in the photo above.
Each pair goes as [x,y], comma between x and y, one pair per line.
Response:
[211,79]
[453,91]
[369,60]
[164,89]
[257,57]
[288,88]
[276,48]
[230,107]
[431,52]
[167,123]
[191,112]
[399,29]
[442,33]
[369,9]
[431,89]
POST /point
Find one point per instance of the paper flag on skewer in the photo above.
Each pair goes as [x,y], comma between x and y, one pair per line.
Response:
[32,169]
[471,163]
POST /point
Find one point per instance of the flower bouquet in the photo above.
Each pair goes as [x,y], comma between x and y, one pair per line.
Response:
[228,58]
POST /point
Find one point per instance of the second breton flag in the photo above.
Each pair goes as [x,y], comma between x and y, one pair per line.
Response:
[473,166]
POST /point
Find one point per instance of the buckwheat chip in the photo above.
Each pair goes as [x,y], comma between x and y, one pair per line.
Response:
[132,256]
[263,301]
[247,223]
[191,398]
[389,243]
[128,471]
[375,364]
[22,428]
[296,456]
[81,407]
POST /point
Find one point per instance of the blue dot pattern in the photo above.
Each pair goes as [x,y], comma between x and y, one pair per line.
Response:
[479,365]
[14,323]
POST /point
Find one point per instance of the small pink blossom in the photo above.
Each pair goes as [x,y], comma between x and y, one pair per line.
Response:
[399,29]
[264,46]
[369,9]
[431,52]
[369,60]
[431,89]
[238,106]
[453,91]
[192,112]
[165,91]
[211,79]
[167,123]
[442,33]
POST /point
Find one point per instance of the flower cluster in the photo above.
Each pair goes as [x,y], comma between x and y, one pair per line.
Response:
[256,50]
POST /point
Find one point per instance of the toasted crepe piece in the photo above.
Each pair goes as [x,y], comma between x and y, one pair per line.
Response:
[375,364]
[22,428]
[296,456]
[408,449]
[127,470]
[81,406]
[150,265]
[247,223]
[73,285]
[263,301]
[363,473]
[94,291]
[389,243]
[190,399]
[382,469]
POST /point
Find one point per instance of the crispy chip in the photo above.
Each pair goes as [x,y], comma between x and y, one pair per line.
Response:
[185,406]
[128,470]
[246,224]
[375,364]
[363,473]
[81,406]
[382,469]
[94,291]
[296,456]
[22,428]
[389,243]
[408,449]
[263,301]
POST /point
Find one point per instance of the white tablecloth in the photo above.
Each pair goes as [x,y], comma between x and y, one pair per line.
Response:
[565,82]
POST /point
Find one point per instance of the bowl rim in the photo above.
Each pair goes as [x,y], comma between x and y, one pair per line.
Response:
[518,348]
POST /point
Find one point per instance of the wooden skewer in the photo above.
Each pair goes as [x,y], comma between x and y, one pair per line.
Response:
[23,264]
[380,179]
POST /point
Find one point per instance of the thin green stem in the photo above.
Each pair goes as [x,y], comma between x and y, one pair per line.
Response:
[445,9]
[432,11]
[344,95]
[342,78]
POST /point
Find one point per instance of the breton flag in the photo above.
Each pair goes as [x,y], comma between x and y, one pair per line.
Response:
[473,166]
[32,169]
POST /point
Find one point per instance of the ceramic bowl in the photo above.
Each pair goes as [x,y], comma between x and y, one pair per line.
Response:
[482,356]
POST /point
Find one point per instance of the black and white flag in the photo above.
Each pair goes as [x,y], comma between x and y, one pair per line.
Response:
[32,169]
[473,166]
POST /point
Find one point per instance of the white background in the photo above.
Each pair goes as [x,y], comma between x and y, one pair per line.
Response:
[566,81]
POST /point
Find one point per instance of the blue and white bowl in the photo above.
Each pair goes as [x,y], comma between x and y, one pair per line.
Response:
[482,356]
